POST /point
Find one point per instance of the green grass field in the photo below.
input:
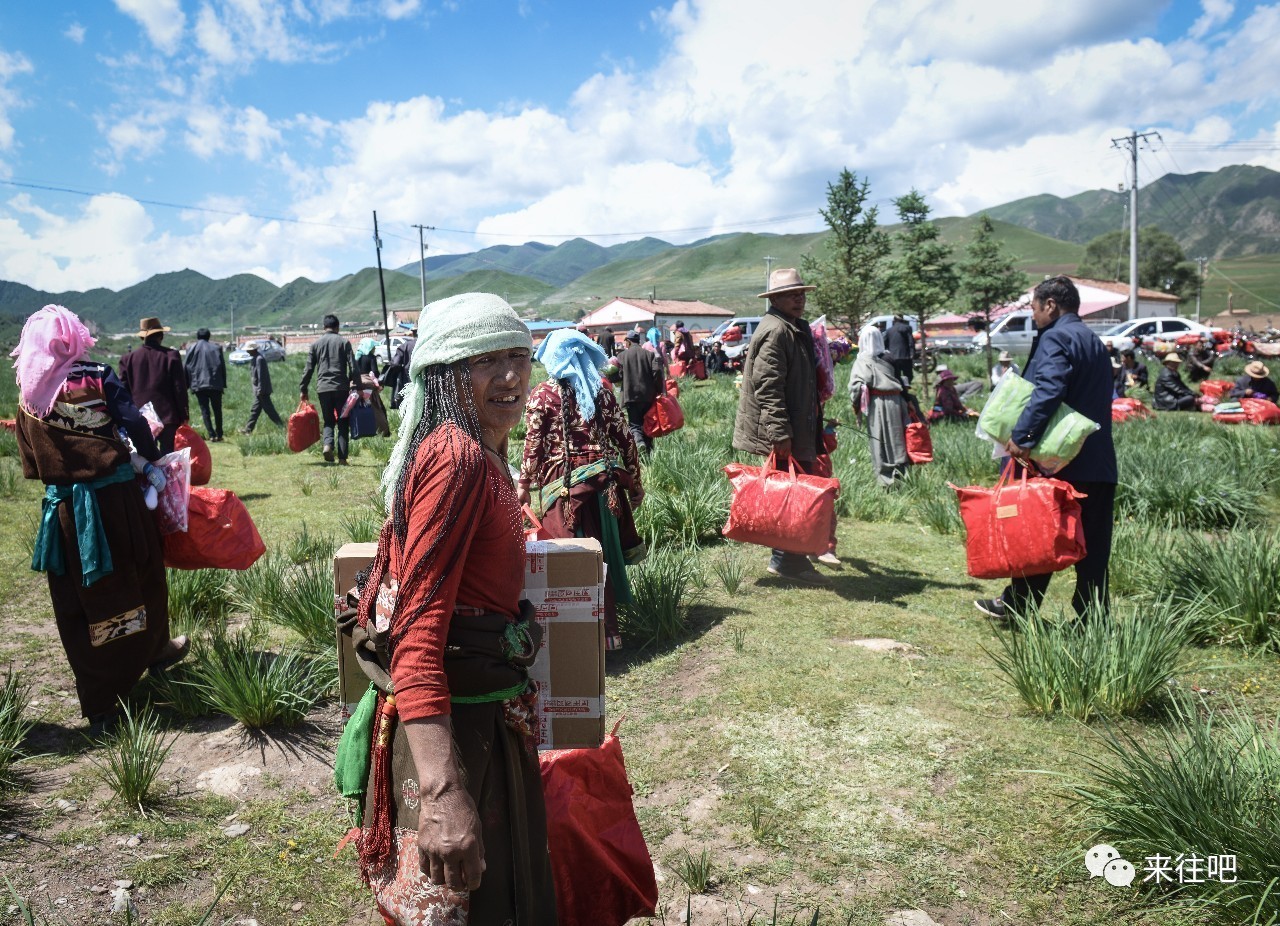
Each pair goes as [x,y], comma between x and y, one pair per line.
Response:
[814,773]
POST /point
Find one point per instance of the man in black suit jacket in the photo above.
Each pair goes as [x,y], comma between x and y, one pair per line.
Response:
[1068,365]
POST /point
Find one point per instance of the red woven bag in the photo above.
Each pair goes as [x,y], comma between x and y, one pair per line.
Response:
[1020,528]
[201,459]
[782,510]
[1231,417]
[663,417]
[219,535]
[599,861]
[1261,411]
[919,441]
[303,428]
[1216,388]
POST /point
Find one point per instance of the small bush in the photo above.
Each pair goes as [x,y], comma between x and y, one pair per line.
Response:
[261,689]
[131,757]
[941,514]
[695,871]
[660,590]
[297,596]
[10,478]
[364,524]
[730,570]
[1104,665]
[198,597]
[305,545]
[14,725]
[1231,584]
[1207,785]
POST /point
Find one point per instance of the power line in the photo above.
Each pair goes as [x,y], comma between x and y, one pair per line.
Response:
[1243,288]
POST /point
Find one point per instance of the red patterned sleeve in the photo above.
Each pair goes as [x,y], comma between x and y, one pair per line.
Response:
[449,493]
[619,435]
[537,421]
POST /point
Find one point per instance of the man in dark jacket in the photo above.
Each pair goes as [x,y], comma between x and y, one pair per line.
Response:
[778,407]
[1171,393]
[333,361]
[1068,365]
[154,373]
[641,383]
[396,375]
[260,379]
[207,377]
[1256,383]
[900,342]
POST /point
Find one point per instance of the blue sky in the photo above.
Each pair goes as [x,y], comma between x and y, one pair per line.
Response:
[500,122]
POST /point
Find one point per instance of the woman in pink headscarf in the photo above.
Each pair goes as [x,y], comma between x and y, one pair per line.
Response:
[97,542]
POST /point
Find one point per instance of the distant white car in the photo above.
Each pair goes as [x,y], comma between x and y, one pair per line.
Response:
[734,347]
[269,348]
[1146,331]
[381,351]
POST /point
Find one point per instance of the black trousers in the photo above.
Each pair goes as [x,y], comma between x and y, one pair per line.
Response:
[635,421]
[261,404]
[330,407]
[903,370]
[211,401]
[164,440]
[1097,517]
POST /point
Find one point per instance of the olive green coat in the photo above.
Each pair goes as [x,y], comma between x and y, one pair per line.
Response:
[779,391]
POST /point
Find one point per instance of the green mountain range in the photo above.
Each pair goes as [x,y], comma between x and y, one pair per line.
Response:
[1231,216]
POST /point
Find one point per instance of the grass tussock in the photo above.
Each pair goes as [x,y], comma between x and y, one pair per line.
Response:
[296,596]
[1230,583]
[261,689]
[198,598]
[661,589]
[15,723]
[1203,784]
[1102,666]
[129,759]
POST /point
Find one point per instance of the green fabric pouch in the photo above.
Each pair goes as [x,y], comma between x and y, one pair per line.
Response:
[1062,440]
[1003,407]
[351,762]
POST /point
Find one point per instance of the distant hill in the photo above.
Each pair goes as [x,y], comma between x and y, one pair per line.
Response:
[1233,212]
[1231,215]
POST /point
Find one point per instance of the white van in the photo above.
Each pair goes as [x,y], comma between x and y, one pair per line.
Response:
[1013,332]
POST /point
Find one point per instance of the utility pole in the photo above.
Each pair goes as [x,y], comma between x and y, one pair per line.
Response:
[377,244]
[768,267]
[233,324]
[422,257]
[1200,284]
[1131,142]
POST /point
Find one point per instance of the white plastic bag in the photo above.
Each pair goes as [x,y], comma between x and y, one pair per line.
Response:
[171,514]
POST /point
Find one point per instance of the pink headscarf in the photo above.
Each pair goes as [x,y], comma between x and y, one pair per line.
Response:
[52,340]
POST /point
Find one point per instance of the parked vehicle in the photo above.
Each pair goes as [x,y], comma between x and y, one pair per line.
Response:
[734,347]
[1144,332]
[269,348]
[381,352]
[1012,332]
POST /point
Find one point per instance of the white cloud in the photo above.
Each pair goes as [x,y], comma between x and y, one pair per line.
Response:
[75,32]
[137,136]
[163,21]
[1215,13]
[12,64]
[247,132]
[400,9]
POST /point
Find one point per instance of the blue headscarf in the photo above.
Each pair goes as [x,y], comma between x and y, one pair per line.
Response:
[367,346]
[573,357]
[655,338]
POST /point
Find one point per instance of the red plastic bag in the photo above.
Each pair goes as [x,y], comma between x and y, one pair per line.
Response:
[663,417]
[1261,411]
[1126,408]
[201,459]
[1216,388]
[220,534]
[1230,417]
[919,441]
[303,428]
[599,861]
[788,511]
[672,388]
[678,368]
[699,368]
[1021,528]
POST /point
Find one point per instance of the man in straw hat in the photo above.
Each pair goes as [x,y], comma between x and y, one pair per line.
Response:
[1256,383]
[1171,393]
[778,410]
[1004,366]
[154,373]
[1068,365]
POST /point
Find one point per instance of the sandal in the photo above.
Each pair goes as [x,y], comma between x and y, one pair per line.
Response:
[173,653]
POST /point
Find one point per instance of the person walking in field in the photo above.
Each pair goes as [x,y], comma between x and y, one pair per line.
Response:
[1068,365]
[154,373]
[641,383]
[207,376]
[260,380]
[778,411]
[333,361]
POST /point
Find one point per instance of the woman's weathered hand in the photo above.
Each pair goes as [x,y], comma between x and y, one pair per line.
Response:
[449,842]
[523,495]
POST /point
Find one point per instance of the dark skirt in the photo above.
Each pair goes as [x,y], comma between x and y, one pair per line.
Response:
[114,629]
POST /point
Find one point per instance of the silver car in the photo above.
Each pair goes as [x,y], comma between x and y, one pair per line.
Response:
[269,348]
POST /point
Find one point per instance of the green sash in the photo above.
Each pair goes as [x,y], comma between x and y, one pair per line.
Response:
[91,536]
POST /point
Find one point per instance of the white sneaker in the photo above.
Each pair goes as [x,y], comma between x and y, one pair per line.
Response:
[827,559]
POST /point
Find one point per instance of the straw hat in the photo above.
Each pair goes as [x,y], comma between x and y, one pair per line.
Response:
[1257,369]
[150,326]
[786,280]
[1171,357]
[1005,357]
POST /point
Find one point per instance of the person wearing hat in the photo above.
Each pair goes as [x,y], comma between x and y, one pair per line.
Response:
[1004,365]
[154,373]
[778,411]
[260,380]
[455,825]
[1068,365]
[900,342]
[641,382]
[333,361]
[207,377]
[947,404]
[1171,393]
[1200,360]
[1256,383]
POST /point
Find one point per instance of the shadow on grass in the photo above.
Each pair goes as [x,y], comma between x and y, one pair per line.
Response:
[254,496]
[701,618]
[862,580]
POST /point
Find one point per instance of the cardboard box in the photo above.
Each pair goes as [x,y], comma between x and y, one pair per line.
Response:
[564,580]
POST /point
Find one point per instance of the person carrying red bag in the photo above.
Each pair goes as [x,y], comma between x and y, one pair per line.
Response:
[1068,364]
[778,411]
